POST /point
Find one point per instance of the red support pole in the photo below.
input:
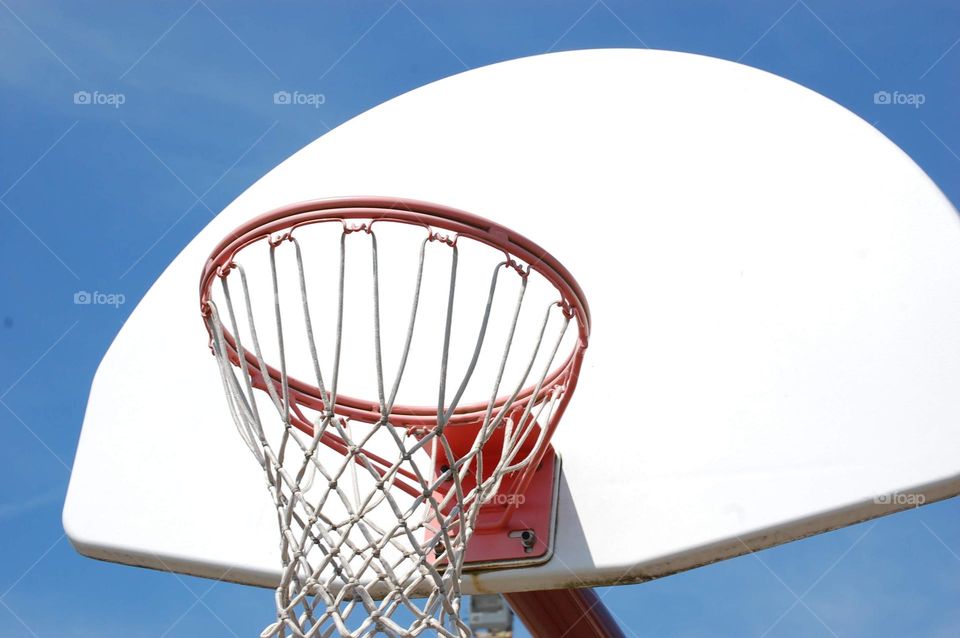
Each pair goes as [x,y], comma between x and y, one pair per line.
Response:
[564,613]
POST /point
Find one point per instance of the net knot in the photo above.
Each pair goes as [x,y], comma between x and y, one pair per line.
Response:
[444,239]
[275,241]
[356,228]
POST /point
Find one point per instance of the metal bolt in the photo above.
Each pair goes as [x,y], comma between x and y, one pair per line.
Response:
[528,538]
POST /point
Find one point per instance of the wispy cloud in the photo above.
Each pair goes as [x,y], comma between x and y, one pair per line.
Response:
[15,509]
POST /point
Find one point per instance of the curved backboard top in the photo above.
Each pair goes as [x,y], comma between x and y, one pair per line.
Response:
[774,289]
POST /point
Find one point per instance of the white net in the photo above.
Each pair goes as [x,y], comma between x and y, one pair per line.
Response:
[377,500]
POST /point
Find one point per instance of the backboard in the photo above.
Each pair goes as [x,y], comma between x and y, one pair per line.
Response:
[774,289]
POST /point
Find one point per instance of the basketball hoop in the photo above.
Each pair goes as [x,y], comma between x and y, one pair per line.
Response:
[383,503]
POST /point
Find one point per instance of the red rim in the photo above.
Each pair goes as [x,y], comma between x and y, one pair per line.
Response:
[277,225]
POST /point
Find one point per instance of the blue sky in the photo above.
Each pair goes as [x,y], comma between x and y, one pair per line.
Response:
[101,196]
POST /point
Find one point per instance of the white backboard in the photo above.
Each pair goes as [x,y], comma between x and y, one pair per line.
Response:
[775,291]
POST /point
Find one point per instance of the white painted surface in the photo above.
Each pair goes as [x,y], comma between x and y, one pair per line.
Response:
[775,290]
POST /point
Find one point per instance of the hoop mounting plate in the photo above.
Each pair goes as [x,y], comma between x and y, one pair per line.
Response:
[528,536]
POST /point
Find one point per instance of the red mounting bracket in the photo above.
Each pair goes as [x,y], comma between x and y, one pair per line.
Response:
[527,536]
